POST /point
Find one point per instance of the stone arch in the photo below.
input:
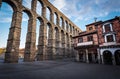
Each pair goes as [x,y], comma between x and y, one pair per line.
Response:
[5,32]
[13,4]
[117,57]
[41,2]
[41,26]
[55,18]
[66,25]
[57,37]
[107,57]
[49,13]
[39,7]
[12,49]
[28,12]
[68,28]
[49,33]
[61,22]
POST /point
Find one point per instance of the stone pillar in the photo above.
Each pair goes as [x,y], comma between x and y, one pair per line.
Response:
[59,51]
[42,43]
[98,57]
[63,24]
[30,47]
[33,5]
[52,17]
[87,60]
[12,50]
[64,45]
[113,60]
[58,20]
[102,59]
[51,44]
[44,12]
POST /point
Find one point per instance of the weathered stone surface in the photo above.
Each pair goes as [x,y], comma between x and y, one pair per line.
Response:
[48,40]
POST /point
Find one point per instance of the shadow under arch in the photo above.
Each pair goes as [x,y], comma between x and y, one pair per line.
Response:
[107,57]
[117,57]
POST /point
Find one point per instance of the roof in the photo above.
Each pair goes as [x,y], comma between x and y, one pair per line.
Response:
[94,23]
[86,33]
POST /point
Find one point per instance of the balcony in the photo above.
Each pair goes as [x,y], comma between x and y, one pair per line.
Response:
[85,43]
[109,43]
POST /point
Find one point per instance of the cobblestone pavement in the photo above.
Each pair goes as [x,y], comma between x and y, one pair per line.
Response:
[58,70]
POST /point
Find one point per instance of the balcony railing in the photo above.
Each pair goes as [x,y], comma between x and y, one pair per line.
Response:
[85,43]
[109,43]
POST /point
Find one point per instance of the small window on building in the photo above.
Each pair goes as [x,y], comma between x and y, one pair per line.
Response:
[90,28]
[107,27]
[90,38]
[80,40]
[110,38]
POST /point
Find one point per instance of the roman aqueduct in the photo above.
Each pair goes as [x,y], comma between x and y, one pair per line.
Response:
[55,38]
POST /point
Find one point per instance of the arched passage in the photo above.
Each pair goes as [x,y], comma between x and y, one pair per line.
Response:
[55,18]
[48,13]
[107,57]
[12,49]
[61,22]
[39,8]
[24,26]
[6,12]
[117,57]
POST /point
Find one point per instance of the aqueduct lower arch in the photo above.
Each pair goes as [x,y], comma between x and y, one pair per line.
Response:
[50,48]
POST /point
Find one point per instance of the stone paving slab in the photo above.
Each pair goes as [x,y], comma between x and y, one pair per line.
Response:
[58,70]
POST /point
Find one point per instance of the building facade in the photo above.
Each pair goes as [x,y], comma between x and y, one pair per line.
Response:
[100,43]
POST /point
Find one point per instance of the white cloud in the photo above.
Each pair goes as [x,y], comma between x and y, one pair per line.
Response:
[86,9]
[60,4]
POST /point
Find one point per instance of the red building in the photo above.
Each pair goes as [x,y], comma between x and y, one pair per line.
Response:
[100,43]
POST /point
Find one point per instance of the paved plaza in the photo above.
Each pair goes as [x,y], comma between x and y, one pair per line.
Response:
[59,69]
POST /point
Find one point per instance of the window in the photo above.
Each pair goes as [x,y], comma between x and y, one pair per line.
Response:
[110,38]
[80,40]
[90,38]
[107,27]
[90,28]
